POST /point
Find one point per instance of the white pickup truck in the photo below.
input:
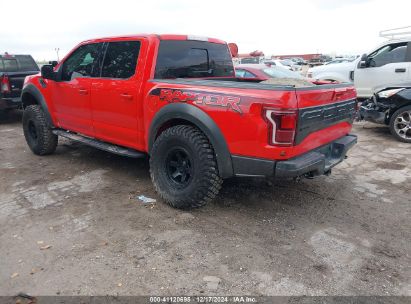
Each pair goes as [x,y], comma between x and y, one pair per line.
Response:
[388,65]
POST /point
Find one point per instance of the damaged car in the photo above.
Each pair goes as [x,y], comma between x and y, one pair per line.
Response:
[392,107]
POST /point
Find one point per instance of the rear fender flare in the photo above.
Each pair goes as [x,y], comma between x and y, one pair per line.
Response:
[202,121]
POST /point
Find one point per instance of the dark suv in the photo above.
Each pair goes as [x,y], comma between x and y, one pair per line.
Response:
[13,70]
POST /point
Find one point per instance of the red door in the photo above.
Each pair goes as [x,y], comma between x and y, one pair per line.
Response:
[72,94]
[72,104]
[115,96]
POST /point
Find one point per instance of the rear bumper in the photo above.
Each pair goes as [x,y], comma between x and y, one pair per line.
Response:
[10,103]
[316,162]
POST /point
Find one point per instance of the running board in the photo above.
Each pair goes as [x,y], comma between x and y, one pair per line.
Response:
[100,144]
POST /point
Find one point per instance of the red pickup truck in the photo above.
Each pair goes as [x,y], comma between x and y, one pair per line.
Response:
[176,99]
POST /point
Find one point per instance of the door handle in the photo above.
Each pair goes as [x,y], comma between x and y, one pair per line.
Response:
[126,96]
[400,70]
[82,91]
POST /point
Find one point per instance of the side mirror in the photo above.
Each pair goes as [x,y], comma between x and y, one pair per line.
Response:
[363,63]
[47,72]
[53,63]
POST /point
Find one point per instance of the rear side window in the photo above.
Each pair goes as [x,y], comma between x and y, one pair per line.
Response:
[120,59]
[193,59]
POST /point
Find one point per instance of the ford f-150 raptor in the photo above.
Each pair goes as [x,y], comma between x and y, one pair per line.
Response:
[176,99]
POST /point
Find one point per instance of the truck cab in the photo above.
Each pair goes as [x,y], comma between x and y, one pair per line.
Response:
[388,65]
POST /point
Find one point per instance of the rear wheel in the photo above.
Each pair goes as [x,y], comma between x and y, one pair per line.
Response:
[37,131]
[183,167]
[400,124]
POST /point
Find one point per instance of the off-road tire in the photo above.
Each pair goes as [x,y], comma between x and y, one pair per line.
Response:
[205,182]
[393,119]
[37,131]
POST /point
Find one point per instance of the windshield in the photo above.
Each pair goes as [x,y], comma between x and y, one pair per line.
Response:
[287,62]
[255,60]
[281,73]
[193,59]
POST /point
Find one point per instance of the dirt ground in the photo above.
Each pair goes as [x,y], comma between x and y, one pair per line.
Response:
[70,224]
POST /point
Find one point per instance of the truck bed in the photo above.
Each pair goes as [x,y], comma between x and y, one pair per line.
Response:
[237,83]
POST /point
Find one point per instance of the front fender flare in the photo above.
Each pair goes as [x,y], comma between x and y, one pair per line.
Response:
[202,121]
[35,92]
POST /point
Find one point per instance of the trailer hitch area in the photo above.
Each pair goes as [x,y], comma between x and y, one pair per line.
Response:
[309,175]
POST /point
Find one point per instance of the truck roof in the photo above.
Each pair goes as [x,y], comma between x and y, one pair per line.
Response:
[389,41]
[7,55]
[158,36]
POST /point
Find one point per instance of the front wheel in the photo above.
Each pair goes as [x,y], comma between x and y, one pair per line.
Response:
[37,131]
[400,124]
[183,167]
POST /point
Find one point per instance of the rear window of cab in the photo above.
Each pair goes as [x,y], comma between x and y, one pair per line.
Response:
[17,63]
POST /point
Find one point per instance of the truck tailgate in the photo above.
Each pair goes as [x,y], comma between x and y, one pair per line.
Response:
[323,107]
[16,80]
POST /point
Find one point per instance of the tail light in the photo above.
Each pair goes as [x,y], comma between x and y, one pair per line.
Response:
[282,126]
[5,84]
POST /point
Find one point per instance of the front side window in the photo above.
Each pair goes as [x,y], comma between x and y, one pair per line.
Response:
[193,59]
[388,54]
[82,62]
[120,59]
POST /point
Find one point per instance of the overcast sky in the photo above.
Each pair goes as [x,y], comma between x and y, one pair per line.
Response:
[275,27]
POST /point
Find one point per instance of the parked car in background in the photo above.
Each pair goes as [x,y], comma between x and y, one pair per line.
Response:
[280,63]
[339,72]
[263,72]
[386,66]
[299,60]
[13,70]
[293,65]
[315,62]
[339,60]
[251,60]
[391,107]
[325,58]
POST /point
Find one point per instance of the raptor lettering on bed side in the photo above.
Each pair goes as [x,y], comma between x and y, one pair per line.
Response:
[217,100]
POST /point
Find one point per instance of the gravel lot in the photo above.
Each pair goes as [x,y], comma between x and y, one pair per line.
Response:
[70,224]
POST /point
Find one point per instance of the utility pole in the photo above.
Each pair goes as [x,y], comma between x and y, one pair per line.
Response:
[57,52]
